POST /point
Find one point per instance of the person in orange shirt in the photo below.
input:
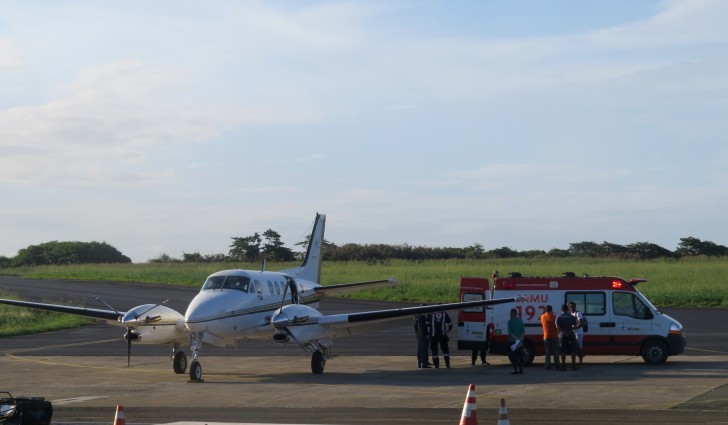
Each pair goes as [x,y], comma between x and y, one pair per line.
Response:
[550,337]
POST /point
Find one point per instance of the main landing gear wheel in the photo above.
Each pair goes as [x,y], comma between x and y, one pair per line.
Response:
[195,371]
[317,363]
[179,362]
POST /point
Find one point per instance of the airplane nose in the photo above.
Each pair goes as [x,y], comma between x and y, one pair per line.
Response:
[193,326]
[203,309]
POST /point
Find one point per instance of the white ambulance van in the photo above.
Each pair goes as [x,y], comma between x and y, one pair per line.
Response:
[621,320]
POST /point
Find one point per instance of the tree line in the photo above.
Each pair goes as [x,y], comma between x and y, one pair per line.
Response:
[268,245]
[56,253]
[255,248]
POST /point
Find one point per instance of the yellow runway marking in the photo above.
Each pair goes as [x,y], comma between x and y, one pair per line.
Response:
[137,369]
[50,347]
[81,366]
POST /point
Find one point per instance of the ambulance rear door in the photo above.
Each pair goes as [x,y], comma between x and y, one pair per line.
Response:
[473,322]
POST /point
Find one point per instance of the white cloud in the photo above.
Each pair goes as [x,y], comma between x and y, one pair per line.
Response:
[268,112]
[10,55]
[679,24]
[108,121]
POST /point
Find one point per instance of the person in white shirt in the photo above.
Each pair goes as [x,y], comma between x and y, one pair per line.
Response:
[579,330]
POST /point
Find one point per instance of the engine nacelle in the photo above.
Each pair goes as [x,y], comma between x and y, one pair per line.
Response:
[298,323]
[154,324]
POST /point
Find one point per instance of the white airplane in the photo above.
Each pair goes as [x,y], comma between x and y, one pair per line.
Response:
[247,304]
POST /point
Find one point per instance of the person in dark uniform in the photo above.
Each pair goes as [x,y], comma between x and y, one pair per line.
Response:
[474,356]
[423,341]
[439,324]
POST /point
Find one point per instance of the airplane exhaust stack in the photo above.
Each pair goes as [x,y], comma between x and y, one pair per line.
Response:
[119,419]
[470,408]
[281,338]
[503,414]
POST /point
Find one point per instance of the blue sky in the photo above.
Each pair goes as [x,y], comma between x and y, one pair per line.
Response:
[172,126]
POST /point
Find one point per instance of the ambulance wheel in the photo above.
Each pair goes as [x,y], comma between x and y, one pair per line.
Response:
[195,371]
[528,353]
[654,352]
[179,363]
[317,363]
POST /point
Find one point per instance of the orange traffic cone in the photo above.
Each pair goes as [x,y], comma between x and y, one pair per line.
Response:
[503,414]
[470,408]
[120,419]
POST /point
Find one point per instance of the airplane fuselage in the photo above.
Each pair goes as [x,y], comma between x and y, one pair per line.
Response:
[238,304]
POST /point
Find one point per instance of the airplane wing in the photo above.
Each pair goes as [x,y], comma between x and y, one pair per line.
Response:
[355,323]
[110,316]
[346,288]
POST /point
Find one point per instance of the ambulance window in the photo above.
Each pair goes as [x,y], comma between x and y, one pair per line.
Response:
[239,283]
[626,304]
[589,303]
[213,282]
[472,297]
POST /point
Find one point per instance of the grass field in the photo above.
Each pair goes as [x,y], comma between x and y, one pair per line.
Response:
[688,282]
[22,321]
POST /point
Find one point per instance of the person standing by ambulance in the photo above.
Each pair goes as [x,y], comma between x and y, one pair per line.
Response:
[565,323]
[474,356]
[439,324]
[515,338]
[579,331]
[550,337]
[423,342]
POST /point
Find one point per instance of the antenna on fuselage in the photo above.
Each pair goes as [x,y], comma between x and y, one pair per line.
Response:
[263,266]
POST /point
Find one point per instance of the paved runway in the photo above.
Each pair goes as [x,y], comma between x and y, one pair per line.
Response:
[83,371]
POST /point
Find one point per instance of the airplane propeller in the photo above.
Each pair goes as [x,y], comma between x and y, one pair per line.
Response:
[153,318]
[128,337]
[280,321]
[283,300]
[129,334]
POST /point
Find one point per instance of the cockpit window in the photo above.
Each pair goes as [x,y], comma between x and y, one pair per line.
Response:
[213,282]
[241,283]
[237,282]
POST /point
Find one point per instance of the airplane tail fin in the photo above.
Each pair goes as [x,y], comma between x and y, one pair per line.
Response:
[310,269]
